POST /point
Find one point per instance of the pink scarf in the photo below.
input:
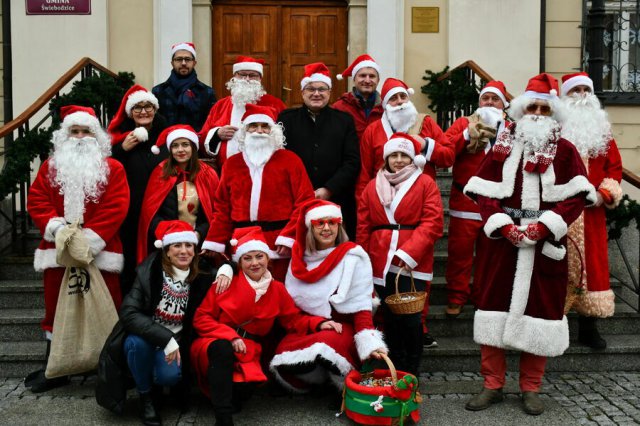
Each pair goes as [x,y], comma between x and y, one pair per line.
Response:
[388,183]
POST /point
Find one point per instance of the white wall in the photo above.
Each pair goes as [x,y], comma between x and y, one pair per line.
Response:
[172,23]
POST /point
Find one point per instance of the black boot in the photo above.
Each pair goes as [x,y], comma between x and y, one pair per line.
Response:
[148,412]
[224,420]
[588,333]
[37,382]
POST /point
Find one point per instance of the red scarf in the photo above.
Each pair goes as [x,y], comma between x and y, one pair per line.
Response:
[299,266]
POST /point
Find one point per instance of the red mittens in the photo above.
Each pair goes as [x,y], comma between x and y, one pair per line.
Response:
[536,231]
[511,233]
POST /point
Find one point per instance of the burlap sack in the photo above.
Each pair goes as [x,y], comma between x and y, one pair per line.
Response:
[72,247]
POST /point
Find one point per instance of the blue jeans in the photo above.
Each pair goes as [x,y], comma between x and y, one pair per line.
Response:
[148,366]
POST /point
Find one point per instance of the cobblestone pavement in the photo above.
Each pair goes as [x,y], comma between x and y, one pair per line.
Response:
[586,398]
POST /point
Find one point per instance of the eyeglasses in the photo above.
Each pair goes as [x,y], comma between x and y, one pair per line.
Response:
[321,90]
[320,223]
[544,109]
[183,59]
[146,108]
[248,75]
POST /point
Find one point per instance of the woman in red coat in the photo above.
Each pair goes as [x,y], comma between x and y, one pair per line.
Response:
[399,220]
[181,187]
[226,356]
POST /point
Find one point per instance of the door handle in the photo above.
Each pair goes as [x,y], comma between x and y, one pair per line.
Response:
[286,88]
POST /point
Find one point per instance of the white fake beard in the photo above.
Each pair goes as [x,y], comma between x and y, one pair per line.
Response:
[586,126]
[402,117]
[245,91]
[535,131]
[258,148]
[79,169]
[490,115]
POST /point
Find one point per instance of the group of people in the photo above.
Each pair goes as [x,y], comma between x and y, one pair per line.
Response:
[274,215]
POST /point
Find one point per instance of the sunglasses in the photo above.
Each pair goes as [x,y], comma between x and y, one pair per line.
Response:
[320,223]
[544,109]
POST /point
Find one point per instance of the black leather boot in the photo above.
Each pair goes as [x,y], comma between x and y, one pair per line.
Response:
[148,412]
[37,382]
[588,333]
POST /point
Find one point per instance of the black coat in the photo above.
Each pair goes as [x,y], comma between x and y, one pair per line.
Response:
[330,152]
[176,114]
[136,317]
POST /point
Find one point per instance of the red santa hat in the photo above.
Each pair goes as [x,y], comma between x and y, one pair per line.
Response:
[543,86]
[76,115]
[189,47]
[316,73]
[174,231]
[392,86]
[362,61]
[172,133]
[569,81]
[134,95]
[248,239]
[407,144]
[259,114]
[247,63]
[496,87]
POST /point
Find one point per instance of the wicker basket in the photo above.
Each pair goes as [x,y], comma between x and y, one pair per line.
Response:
[406,303]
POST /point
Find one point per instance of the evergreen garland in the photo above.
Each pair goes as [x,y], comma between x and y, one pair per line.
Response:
[457,92]
[621,217]
[97,90]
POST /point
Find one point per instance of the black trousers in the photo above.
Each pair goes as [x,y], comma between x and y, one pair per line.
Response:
[227,397]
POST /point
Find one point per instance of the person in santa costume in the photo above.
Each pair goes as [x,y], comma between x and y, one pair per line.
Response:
[263,186]
[400,115]
[219,134]
[530,187]
[329,276]
[363,102]
[400,218]
[326,142]
[588,128]
[134,129]
[472,138]
[232,326]
[181,187]
[79,182]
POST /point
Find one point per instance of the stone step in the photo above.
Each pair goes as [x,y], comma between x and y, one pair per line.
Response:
[17,359]
[21,324]
[18,268]
[21,294]
[462,354]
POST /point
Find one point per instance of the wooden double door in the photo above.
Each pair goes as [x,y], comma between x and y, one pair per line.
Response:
[287,35]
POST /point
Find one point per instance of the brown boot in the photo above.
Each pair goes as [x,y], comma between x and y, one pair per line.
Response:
[484,399]
[453,310]
[532,404]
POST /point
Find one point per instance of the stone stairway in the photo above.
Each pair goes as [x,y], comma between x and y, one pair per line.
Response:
[22,346]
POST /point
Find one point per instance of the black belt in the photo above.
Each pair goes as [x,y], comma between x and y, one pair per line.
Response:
[394,227]
[266,225]
[523,213]
[245,334]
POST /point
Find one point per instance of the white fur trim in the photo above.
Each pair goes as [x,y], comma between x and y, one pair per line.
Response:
[364,64]
[96,243]
[248,66]
[183,46]
[538,336]
[251,245]
[285,241]
[465,134]
[498,190]
[141,134]
[256,174]
[599,304]
[578,80]
[367,341]
[225,270]
[258,118]
[180,237]
[404,256]
[81,118]
[140,96]
[555,223]
[495,222]
[393,269]
[555,193]
[54,224]
[316,78]
[208,138]
[539,95]
[553,252]
[614,188]
[465,215]
[213,246]
[431,144]
[322,211]
[392,92]
[181,133]
[496,91]
[105,260]
[488,327]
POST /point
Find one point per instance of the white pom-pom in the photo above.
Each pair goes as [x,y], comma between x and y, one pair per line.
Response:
[157,243]
[553,92]
[375,303]
[233,242]
[420,161]
[410,91]
[155,149]
[141,134]
[339,77]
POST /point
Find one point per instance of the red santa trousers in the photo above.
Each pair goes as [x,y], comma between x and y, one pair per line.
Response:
[463,234]
[52,283]
[493,367]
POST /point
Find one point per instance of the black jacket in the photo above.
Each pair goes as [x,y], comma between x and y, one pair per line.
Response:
[136,317]
[176,114]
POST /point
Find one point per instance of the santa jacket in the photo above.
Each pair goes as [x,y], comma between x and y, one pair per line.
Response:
[271,194]
[225,113]
[229,314]
[464,167]
[101,224]
[438,151]
[522,291]
[155,200]
[350,104]
[417,203]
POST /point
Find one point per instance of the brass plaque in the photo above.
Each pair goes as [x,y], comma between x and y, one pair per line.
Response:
[425,19]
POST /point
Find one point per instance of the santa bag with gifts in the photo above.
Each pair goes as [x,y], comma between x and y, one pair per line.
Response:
[85,313]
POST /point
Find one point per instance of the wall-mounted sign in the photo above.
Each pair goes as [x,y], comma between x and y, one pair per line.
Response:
[58,7]
[425,19]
